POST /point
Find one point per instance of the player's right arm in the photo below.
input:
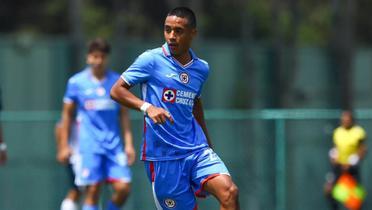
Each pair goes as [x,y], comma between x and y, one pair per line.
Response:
[138,72]
[120,93]
[63,147]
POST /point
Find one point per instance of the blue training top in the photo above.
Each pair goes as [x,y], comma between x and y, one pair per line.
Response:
[170,85]
[98,121]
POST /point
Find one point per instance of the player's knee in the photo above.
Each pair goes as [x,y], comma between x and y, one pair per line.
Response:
[230,195]
[74,194]
[92,192]
[122,188]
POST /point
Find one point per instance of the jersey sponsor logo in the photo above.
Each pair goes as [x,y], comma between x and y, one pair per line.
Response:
[99,104]
[169,95]
[170,203]
[178,96]
[184,78]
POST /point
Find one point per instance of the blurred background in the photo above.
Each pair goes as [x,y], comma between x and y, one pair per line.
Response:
[281,71]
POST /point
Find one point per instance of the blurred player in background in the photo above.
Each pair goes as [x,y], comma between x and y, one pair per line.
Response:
[348,152]
[3,147]
[176,147]
[71,201]
[100,121]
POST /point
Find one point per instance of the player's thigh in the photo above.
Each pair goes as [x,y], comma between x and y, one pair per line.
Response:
[89,170]
[208,166]
[171,185]
[117,169]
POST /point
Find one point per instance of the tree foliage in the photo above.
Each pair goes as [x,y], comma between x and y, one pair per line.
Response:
[218,19]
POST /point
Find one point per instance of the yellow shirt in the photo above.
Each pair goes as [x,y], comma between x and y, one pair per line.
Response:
[347,141]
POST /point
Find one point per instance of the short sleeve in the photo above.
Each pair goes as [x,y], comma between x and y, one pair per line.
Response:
[205,75]
[139,71]
[71,92]
[363,134]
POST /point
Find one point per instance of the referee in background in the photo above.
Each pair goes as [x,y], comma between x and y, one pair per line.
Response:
[348,152]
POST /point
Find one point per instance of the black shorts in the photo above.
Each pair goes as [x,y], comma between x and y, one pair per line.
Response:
[353,171]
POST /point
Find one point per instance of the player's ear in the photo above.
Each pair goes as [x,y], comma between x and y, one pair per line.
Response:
[87,60]
[194,32]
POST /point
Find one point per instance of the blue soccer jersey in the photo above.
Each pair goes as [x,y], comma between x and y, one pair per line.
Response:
[170,85]
[98,125]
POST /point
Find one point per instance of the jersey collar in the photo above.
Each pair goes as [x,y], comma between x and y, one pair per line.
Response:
[93,78]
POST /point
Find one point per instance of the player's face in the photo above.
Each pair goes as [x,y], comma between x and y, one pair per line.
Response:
[97,60]
[178,34]
[347,120]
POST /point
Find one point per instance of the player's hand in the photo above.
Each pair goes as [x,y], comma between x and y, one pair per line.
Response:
[3,157]
[159,115]
[131,154]
[63,154]
[333,156]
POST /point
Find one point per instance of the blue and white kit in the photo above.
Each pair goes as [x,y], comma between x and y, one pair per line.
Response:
[177,156]
[101,154]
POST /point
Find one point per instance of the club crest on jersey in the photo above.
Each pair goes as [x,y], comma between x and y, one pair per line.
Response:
[170,203]
[169,95]
[184,78]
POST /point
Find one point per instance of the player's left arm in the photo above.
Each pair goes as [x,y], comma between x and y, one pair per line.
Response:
[127,135]
[362,147]
[199,116]
[355,159]
[362,150]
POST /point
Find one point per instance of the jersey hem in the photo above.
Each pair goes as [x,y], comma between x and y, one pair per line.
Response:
[173,158]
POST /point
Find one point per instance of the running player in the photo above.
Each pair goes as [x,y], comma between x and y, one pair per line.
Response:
[71,201]
[3,155]
[176,147]
[100,121]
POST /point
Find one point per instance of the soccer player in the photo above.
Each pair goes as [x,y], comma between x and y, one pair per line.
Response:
[71,201]
[3,147]
[348,151]
[176,147]
[100,121]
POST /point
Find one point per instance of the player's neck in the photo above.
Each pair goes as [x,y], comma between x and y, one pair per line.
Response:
[348,127]
[99,74]
[184,58]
